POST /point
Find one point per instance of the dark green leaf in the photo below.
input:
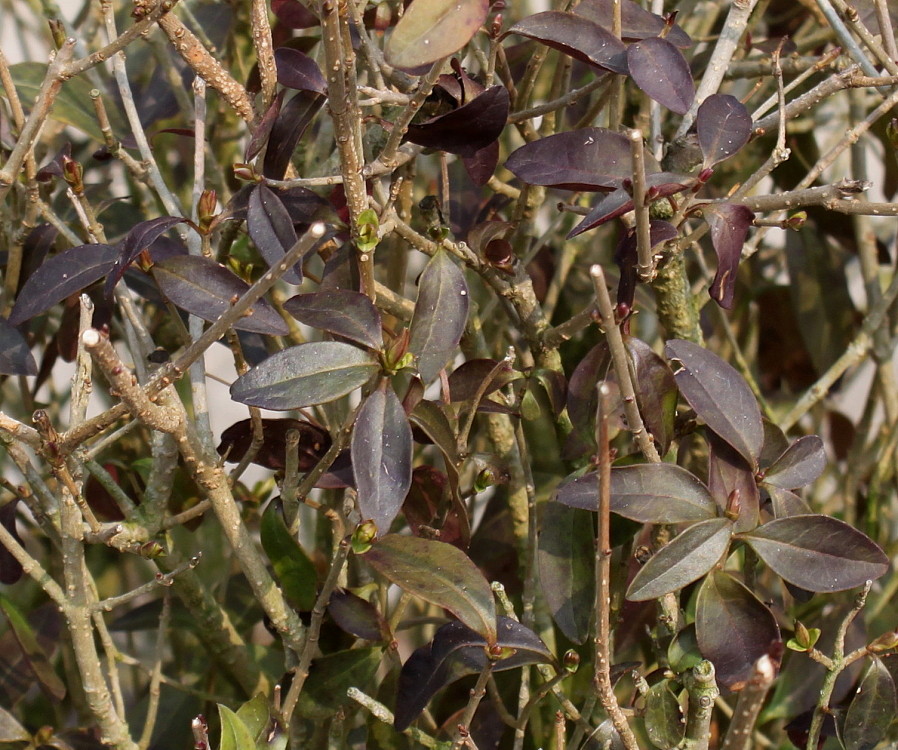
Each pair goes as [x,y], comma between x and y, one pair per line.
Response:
[685,559]
[332,675]
[661,71]
[818,553]
[734,629]
[356,615]
[15,357]
[432,29]
[381,457]
[271,229]
[66,273]
[800,464]
[34,654]
[441,312]
[454,652]
[235,735]
[342,312]
[292,567]
[305,375]
[255,715]
[566,557]
[720,397]
[206,289]
[872,709]
[440,574]
[663,717]
[683,653]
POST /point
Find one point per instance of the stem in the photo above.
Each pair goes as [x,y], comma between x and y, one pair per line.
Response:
[702,689]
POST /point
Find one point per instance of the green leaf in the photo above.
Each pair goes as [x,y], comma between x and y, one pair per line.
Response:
[36,657]
[872,709]
[255,715]
[235,735]
[10,729]
[292,567]
[305,375]
[685,559]
[663,717]
[441,312]
[432,29]
[818,553]
[330,676]
[565,557]
[440,574]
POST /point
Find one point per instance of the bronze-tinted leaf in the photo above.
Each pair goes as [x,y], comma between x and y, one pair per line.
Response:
[723,126]
[66,273]
[636,23]
[800,464]
[342,312]
[313,443]
[440,574]
[684,560]
[786,503]
[15,356]
[481,165]
[661,71]
[381,457]
[305,375]
[467,378]
[733,627]
[206,289]
[565,558]
[818,553]
[35,656]
[576,36]
[729,223]
[441,312]
[293,569]
[297,70]
[872,709]
[433,29]
[720,397]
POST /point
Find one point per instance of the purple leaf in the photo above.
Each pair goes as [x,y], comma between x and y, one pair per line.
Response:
[295,116]
[67,273]
[728,472]
[610,207]
[801,463]
[661,71]
[262,130]
[206,289]
[299,71]
[305,375]
[636,23]
[293,14]
[272,454]
[10,568]
[15,357]
[441,313]
[585,159]
[341,312]
[872,709]
[271,229]
[625,256]
[720,397]
[482,164]
[433,29]
[576,36]
[140,237]
[467,130]
[656,391]
[723,125]
[356,616]
[729,223]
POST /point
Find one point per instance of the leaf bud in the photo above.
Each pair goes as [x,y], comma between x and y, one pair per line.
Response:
[804,638]
[496,25]
[57,31]
[245,173]
[885,642]
[500,255]
[796,221]
[152,550]
[485,479]
[73,173]
[363,537]
[571,660]
[205,209]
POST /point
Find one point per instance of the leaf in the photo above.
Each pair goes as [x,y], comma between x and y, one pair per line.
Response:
[576,36]
[467,378]
[293,14]
[729,473]
[565,558]
[10,729]
[295,116]
[481,165]
[293,569]
[314,442]
[440,574]
[381,457]
[15,357]
[872,709]
[818,553]
[625,256]
[454,652]
[723,126]
[656,388]
[35,656]
[68,272]
[661,71]
[663,716]
[801,463]
[468,130]
[720,397]
[141,236]
[734,629]
[441,312]
[305,375]
[255,715]
[585,159]
[271,230]
[262,130]
[11,569]
[636,23]
[206,289]
[235,735]
[330,676]
[648,493]
[729,223]
[433,29]
[787,503]
[355,615]
[297,70]
[683,560]
[342,312]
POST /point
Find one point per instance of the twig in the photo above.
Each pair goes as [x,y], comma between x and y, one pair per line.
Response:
[702,689]
[380,712]
[477,692]
[156,675]
[264,48]
[645,264]
[845,38]
[885,29]
[748,706]
[162,579]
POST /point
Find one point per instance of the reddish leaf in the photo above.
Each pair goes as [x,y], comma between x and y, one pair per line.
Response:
[610,207]
[467,130]
[341,312]
[381,457]
[734,629]
[636,23]
[661,71]
[729,224]
[313,443]
[271,229]
[293,14]
[15,357]
[206,289]
[801,463]
[482,164]
[728,472]
[723,125]
[433,29]
[295,116]
[299,71]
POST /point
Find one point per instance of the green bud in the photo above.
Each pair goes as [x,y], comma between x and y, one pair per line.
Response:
[364,537]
